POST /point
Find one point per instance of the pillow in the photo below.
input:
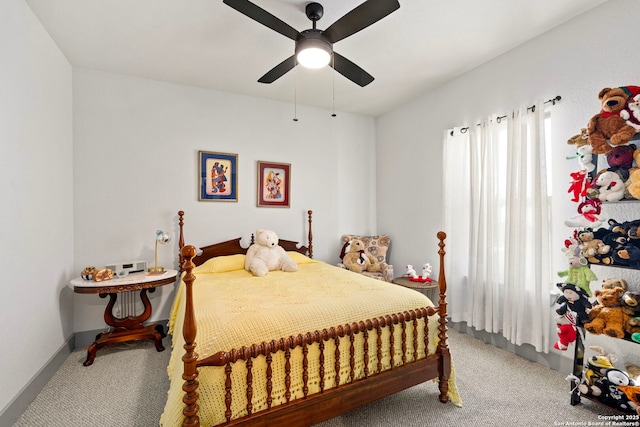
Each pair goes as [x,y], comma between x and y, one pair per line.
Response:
[298,258]
[220,264]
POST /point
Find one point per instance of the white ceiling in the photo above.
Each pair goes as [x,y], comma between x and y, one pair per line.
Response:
[206,43]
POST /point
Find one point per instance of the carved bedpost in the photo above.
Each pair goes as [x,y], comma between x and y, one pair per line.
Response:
[443,349]
[190,358]
[310,236]
[180,240]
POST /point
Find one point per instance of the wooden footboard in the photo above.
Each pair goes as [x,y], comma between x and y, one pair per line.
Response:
[341,394]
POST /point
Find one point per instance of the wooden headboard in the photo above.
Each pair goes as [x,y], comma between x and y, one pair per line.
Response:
[233,247]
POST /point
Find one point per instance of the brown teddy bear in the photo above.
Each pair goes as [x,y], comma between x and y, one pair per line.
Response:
[613,283]
[608,124]
[607,317]
[358,260]
[589,245]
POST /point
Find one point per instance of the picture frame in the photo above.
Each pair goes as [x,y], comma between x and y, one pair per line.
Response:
[274,184]
[218,176]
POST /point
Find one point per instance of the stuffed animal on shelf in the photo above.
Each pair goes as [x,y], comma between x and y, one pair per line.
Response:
[632,392]
[629,256]
[585,158]
[631,302]
[358,260]
[632,113]
[620,160]
[631,307]
[589,214]
[608,124]
[615,283]
[598,364]
[633,371]
[574,299]
[589,245]
[615,240]
[610,187]
[578,185]
[266,255]
[633,184]
[578,273]
[607,317]
[580,139]
[608,390]
[566,329]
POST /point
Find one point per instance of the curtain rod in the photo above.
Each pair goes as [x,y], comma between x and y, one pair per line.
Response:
[499,118]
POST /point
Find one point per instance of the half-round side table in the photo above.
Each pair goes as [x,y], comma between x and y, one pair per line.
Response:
[131,327]
[429,289]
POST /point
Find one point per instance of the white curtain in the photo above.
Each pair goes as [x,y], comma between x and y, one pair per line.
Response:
[497,215]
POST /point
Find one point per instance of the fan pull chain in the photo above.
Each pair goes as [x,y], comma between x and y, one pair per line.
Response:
[333,84]
[295,94]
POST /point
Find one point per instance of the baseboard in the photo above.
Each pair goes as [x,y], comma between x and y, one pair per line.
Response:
[561,362]
[85,338]
[23,399]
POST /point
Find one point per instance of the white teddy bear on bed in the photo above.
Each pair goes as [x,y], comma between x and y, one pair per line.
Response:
[266,255]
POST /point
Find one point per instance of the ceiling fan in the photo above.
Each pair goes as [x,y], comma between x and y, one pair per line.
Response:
[316,43]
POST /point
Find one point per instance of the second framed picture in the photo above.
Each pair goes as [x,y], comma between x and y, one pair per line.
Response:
[274,184]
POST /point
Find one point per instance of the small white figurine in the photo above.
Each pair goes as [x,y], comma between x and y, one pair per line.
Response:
[426,271]
[411,272]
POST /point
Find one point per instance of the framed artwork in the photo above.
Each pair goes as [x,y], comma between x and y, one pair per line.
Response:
[274,184]
[218,176]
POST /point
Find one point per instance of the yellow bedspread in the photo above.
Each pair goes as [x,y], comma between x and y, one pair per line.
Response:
[233,309]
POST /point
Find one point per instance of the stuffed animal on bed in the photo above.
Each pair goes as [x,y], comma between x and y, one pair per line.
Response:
[358,260]
[266,255]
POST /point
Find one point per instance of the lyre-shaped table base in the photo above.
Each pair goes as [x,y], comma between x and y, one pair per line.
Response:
[126,329]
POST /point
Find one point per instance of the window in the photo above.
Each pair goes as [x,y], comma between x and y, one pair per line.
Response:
[498,215]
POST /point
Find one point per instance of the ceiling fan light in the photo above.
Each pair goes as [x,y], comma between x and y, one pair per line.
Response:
[312,50]
[314,57]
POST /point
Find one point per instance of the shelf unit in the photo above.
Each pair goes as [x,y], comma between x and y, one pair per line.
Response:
[624,210]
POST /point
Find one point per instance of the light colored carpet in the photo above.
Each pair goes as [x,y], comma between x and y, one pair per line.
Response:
[127,384]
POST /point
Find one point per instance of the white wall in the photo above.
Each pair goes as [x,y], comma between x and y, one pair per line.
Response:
[36,189]
[574,61]
[136,146]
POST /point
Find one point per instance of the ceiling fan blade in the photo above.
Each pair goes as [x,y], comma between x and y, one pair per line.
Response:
[369,12]
[351,70]
[265,18]
[279,70]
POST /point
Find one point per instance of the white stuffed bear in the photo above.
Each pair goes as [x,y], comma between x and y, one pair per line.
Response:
[611,187]
[266,255]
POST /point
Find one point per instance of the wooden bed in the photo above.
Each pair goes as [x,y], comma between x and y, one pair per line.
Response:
[332,399]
